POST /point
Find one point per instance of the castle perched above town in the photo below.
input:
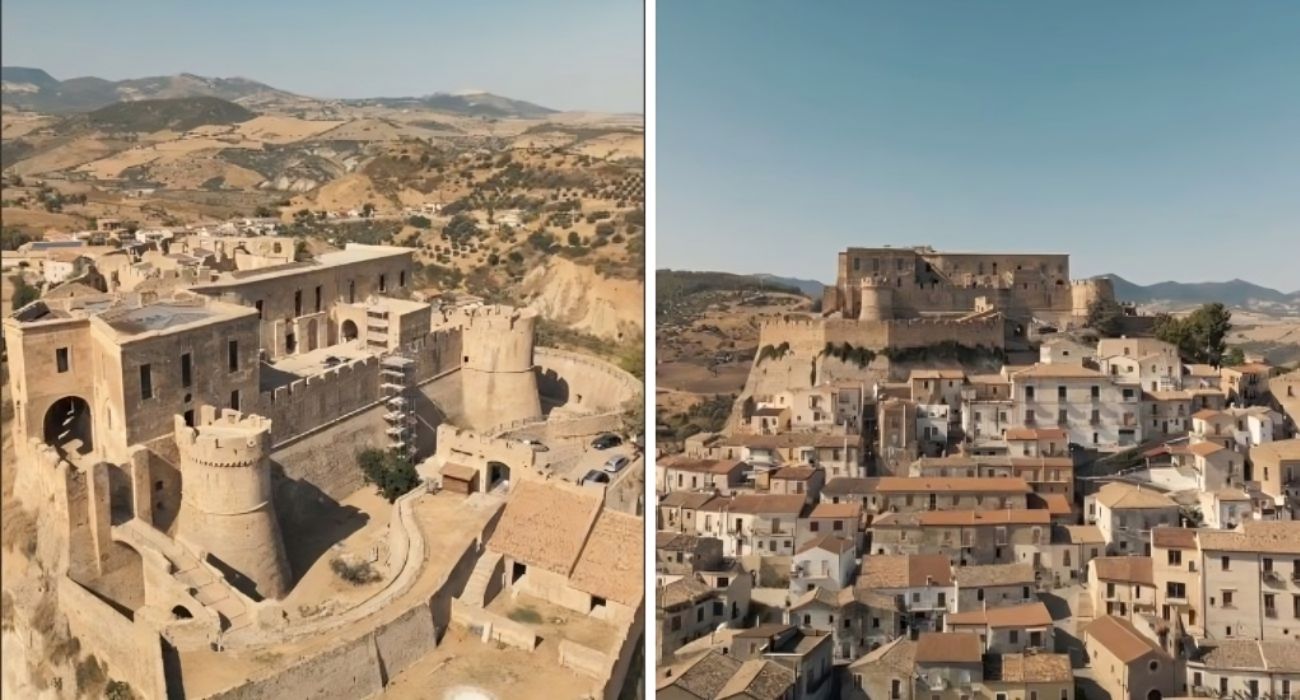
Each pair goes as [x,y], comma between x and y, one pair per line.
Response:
[189,415]
[945,485]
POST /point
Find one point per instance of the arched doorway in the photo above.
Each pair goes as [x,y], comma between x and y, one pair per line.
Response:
[69,419]
[497,473]
[311,335]
[180,612]
[349,331]
[1153,695]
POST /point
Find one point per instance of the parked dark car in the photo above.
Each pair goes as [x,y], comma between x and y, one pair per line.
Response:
[595,476]
[606,441]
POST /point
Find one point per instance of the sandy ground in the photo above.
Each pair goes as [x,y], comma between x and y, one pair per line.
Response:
[319,590]
[464,668]
[273,129]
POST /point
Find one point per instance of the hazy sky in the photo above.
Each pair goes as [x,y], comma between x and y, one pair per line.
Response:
[1157,140]
[565,54]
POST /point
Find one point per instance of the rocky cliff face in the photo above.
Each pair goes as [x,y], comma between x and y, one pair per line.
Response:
[582,299]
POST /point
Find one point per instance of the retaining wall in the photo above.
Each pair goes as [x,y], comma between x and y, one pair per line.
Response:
[346,672]
[133,653]
[497,628]
[583,381]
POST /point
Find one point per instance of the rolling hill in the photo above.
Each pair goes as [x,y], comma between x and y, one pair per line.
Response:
[178,114]
[1237,292]
[474,104]
[34,89]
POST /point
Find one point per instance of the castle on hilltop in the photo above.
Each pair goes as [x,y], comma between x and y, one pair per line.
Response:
[879,284]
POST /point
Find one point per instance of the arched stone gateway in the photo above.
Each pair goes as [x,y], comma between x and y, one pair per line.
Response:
[349,331]
[69,419]
[497,473]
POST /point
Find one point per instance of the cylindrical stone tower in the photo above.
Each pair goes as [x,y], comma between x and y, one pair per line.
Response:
[226,506]
[497,378]
[877,301]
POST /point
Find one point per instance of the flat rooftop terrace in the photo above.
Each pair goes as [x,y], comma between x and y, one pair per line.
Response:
[354,253]
[302,365]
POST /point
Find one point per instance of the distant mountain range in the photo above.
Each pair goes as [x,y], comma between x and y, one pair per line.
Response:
[810,288]
[34,89]
[1237,292]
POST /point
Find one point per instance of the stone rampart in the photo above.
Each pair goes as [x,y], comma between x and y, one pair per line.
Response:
[133,653]
[584,382]
[348,671]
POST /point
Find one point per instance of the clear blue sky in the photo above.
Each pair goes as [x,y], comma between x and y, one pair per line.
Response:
[565,54]
[1157,140]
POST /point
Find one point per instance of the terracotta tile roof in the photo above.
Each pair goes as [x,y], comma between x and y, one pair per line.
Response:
[794,473]
[830,543]
[759,679]
[767,504]
[701,466]
[704,677]
[836,510]
[1207,414]
[1028,668]
[1201,370]
[685,590]
[994,575]
[964,518]
[612,564]
[675,541]
[545,524]
[687,499]
[1082,534]
[890,571]
[849,486]
[951,484]
[1264,536]
[1062,371]
[1055,503]
[898,655]
[1205,449]
[948,647]
[1233,654]
[1126,569]
[1175,537]
[1027,615]
[1281,655]
[1121,638]
[1280,450]
[1118,495]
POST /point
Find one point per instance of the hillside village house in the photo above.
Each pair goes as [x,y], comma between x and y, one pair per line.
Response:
[1006,630]
[1246,385]
[856,618]
[949,665]
[1251,580]
[808,653]
[826,562]
[1152,364]
[1176,575]
[1072,547]
[1276,466]
[842,520]
[1122,586]
[978,587]
[965,536]
[1126,513]
[920,584]
[839,455]
[681,473]
[1126,663]
[1093,410]
[1045,475]
[1245,668]
[717,674]
[792,481]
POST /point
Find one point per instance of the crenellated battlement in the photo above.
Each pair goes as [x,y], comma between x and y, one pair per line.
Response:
[226,440]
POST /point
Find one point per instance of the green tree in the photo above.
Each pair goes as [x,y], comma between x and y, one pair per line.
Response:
[24,293]
[1200,336]
[420,221]
[263,212]
[1233,357]
[1106,317]
[574,239]
[367,210]
[390,473]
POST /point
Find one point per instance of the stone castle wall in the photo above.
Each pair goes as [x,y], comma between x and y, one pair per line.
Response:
[132,652]
[807,337]
[583,382]
[497,366]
